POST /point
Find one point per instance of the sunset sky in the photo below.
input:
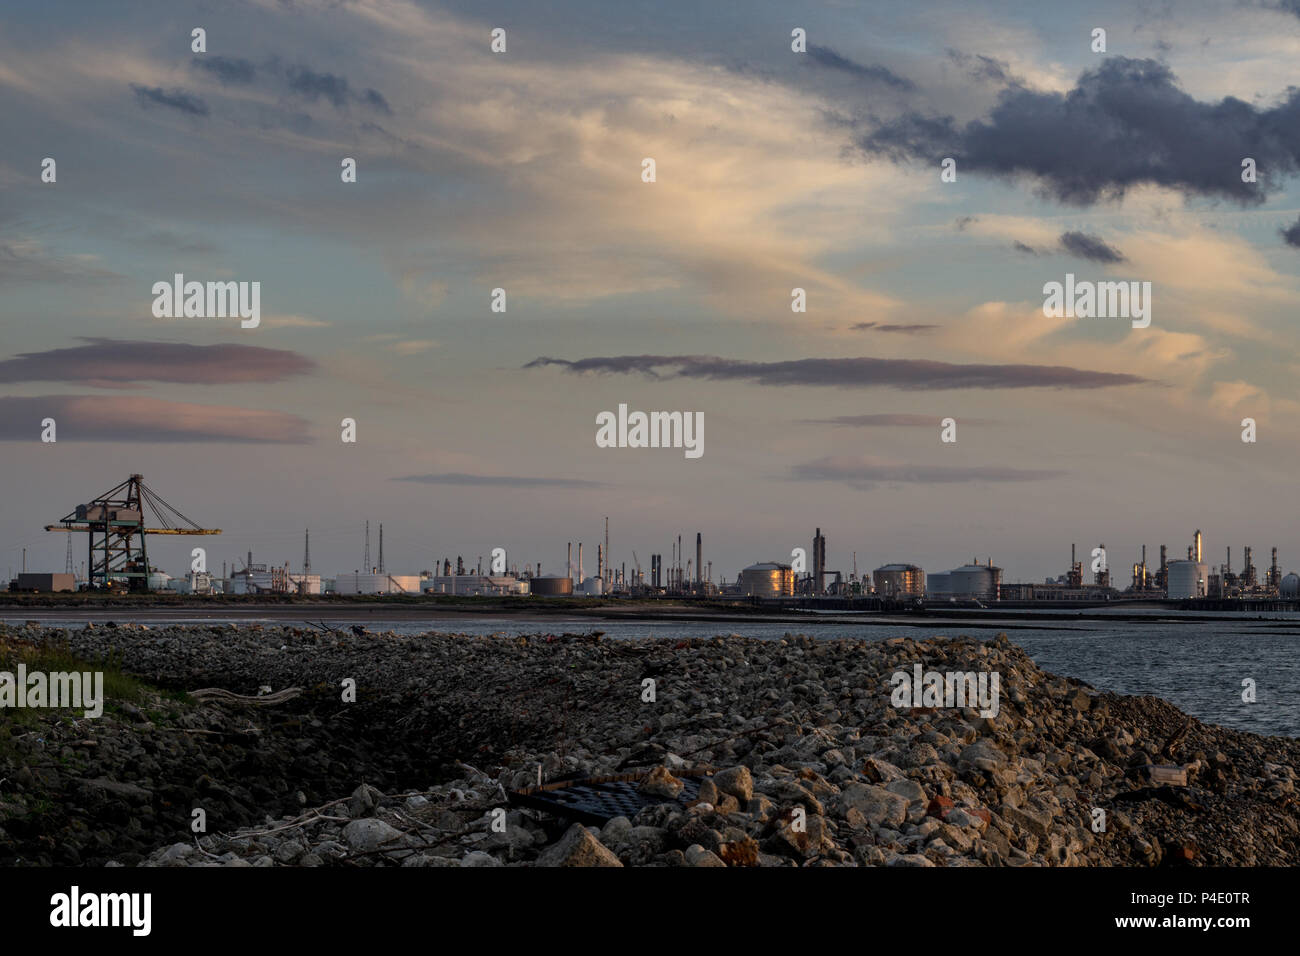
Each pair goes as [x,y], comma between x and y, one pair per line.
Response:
[775,170]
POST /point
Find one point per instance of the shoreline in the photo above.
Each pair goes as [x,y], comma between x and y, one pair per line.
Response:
[459,720]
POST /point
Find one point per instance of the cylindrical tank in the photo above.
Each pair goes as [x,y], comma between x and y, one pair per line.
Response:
[552,587]
[1187,579]
[1291,585]
[899,580]
[767,579]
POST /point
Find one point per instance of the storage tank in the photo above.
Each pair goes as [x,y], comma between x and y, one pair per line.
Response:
[899,580]
[1187,579]
[767,579]
[552,586]
[1290,587]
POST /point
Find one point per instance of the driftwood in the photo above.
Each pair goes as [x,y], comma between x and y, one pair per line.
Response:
[222,695]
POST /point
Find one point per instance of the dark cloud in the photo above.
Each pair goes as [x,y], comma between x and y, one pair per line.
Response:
[1125,124]
[984,68]
[227,69]
[136,418]
[964,221]
[1291,234]
[176,99]
[1089,247]
[906,374]
[865,472]
[336,89]
[912,328]
[1021,247]
[825,56]
[120,363]
[501,481]
[892,421]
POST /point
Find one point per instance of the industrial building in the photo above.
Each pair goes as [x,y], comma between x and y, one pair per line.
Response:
[355,582]
[474,585]
[33,581]
[980,582]
[767,579]
[899,580]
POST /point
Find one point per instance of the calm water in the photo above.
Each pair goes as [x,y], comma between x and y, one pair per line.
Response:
[1198,665]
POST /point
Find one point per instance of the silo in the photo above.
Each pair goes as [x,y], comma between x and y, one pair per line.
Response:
[767,579]
[552,586]
[1187,579]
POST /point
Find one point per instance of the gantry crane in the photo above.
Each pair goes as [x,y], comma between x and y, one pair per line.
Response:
[113,521]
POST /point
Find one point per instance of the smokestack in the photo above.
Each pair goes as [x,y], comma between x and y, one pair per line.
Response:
[699,554]
[608,570]
[600,562]
[579,562]
[568,562]
[1198,544]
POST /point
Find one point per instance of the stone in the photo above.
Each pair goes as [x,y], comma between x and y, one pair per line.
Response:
[697,855]
[368,834]
[578,848]
[909,790]
[983,756]
[662,784]
[876,804]
[736,781]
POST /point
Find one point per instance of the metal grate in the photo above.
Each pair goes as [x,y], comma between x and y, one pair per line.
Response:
[597,800]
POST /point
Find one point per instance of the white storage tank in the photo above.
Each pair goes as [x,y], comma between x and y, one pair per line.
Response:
[1290,586]
[1187,579]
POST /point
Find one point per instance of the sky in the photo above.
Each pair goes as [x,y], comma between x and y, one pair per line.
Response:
[774,170]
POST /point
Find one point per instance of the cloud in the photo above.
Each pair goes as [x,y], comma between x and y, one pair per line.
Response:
[825,56]
[120,363]
[892,421]
[501,481]
[1027,249]
[985,68]
[177,99]
[23,260]
[227,69]
[861,472]
[1125,124]
[294,322]
[313,86]
[912,328]
[138,419]
[1291,234]
[905,374]
[1090,248]
[412,346]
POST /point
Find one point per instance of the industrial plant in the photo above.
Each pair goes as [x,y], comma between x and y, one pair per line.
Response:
[118,524]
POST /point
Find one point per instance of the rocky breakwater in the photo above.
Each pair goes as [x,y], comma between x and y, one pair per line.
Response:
[798,753]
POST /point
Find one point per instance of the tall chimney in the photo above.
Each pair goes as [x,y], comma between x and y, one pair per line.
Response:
[699,554]
[568,562]
[1198,544]
[579,562]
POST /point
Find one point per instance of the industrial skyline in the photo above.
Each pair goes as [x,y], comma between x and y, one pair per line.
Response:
[784,178]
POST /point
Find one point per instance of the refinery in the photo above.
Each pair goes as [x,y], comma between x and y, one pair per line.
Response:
[118,524]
